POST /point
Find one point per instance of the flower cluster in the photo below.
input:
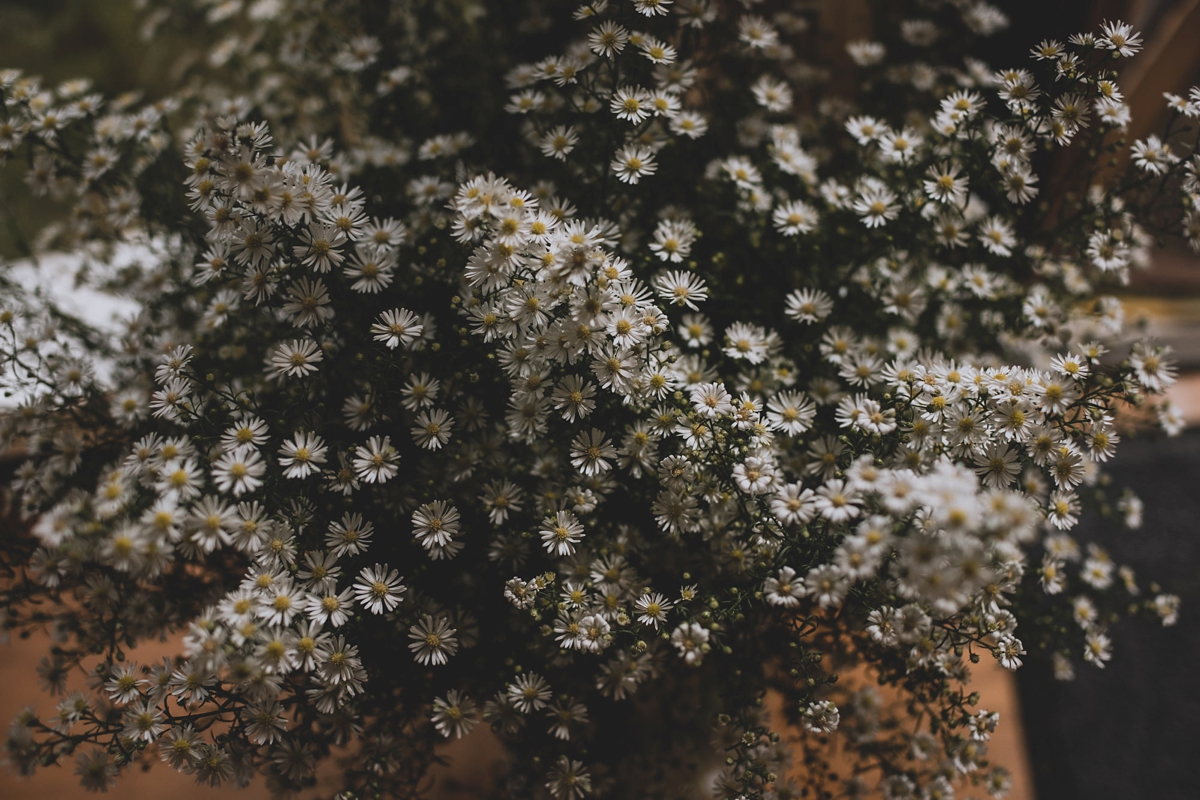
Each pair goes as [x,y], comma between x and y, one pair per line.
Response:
[406,438]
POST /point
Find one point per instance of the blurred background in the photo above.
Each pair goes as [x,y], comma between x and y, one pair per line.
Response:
[1126,731]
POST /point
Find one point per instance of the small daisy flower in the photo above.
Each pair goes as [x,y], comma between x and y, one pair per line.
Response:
[377,462]
[397,327]
[433,641]
[772,94]
[784,590]
[695,330]
[529,692]
[302,455]
[681,288]
[559,141]
[754,475]
[865,129]
[297,358]
[349,536]
[673,240]
[997,236]
[608,39]
[633,162]
[378,589]
[876,206]
[1120,38]
[691,124]
[657,51]
[435,524]
[795,217]
[330,607]
[631,103]
[591,453]
[454,715]
[691,641]
[433,429]
[239,471]
[560,533]
[652,609]
[711,400]
[1153,155]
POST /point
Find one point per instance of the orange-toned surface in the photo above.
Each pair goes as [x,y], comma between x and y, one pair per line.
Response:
[18,689]
[474,759]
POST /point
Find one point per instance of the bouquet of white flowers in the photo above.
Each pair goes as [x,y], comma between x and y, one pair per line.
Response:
[588,378]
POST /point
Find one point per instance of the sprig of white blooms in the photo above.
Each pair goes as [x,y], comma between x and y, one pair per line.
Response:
[821,396]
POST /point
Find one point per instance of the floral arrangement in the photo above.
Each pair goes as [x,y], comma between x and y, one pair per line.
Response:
[594,378]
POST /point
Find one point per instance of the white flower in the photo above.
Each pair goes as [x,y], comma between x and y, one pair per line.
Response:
[569,780]
[808,305]
[559,141]
[1167,607]
[997,236]
[608,39]
[329,608]
[695,330]
[296,358]
[998,465]
[432,429]
[378,590]
[795,217]
[748,342]
[711,400]
[681,288]
[865,129]
[433,642]
[866,53]
[900,146]
[279,604]
[179,480]
[946,184]
[1119,37]
[454,715]
[529,692]
[652,609]
[435,524]
[1097,648]
[1154,368]
[772,94]
[827,584]
[1008,652]
[320,246]
[631,103]
[591,452]
[594,634]
[657,51]
[754,475]
[673,240]
[349,536]
[398,326]
[302,455]
[691,640]
[652,8]
[560,533]
[793,504]
[877,206]
[377,461]
[837,503]
[633,162]
[821,716]
[691,124]
[784,590]
[239,471]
